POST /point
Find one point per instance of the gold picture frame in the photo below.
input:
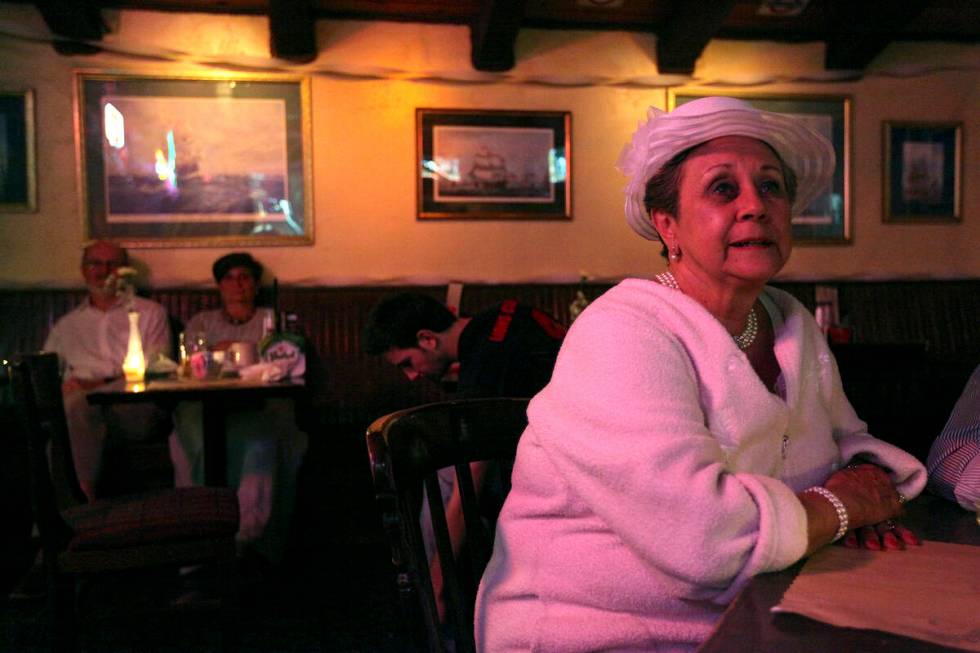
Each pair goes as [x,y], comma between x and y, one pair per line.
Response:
[196,160]
[494,164]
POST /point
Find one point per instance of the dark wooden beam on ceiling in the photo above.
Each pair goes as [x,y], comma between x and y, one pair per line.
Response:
[74,24]
[861,30]
[292,30]
[494,33]
[689,27]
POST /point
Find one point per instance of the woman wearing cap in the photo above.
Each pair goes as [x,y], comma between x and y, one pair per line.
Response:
[239,319]
[694,432]
[265,448]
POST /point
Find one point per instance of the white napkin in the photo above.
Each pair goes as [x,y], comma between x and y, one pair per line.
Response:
[161,365]
[927,592]
[267,372]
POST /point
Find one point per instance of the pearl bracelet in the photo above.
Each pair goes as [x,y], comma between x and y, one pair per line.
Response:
[838,506]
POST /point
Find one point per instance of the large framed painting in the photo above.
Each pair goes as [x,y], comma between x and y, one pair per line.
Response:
[827,220]
[922,178]
[195,161]
[18,185]
[494,165]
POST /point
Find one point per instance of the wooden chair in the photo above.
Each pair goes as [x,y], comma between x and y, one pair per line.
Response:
[406,450]
[82,539]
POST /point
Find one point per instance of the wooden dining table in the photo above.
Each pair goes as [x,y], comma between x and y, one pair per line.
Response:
[748,624]
[218,397]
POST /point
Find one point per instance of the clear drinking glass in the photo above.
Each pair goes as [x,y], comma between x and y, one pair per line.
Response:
[204,363]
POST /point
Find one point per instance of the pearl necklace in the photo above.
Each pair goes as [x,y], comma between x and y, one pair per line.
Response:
[743,340]
[667,279]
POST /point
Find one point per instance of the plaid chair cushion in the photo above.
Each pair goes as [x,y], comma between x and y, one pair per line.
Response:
[153,518]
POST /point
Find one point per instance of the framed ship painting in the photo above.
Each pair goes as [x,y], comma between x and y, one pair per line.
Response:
[922,163]
[827,220]
[195,161]
[493,165]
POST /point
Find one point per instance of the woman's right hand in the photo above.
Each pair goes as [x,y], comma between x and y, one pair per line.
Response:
[868,493]
[888,535]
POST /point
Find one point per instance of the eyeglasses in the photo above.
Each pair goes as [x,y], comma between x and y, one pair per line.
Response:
[112,264]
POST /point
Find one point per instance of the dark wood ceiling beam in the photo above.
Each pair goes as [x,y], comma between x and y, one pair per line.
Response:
[292,30]
[861,30]
[75,24]
[494,33]
[689,27]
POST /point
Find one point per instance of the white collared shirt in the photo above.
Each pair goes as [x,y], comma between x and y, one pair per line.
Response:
[92,343]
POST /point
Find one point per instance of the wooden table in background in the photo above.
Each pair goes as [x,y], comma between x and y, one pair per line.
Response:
[217,397]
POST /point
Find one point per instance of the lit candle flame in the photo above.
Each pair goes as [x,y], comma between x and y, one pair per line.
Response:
[134,365]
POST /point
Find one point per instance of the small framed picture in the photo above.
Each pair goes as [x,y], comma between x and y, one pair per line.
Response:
[18,187]
[922,171]
[827,221]
[494,165]
[195,161]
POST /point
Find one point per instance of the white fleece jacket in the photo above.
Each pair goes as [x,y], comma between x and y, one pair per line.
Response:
[651,482]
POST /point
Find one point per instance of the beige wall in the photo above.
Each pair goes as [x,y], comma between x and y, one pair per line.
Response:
[365,87]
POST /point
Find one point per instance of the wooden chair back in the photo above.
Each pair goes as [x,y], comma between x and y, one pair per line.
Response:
[407,449]
[170,527]
[36,386]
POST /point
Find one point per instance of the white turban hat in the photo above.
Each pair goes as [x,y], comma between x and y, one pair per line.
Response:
[664,135]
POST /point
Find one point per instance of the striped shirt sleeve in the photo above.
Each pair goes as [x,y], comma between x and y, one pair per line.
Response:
[954,459]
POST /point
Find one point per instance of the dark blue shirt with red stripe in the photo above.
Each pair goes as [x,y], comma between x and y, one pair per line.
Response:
[508,351]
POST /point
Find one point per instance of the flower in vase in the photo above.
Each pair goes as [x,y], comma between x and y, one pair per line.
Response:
[122,283]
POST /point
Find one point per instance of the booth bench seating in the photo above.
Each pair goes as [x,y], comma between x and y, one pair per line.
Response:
[914,343]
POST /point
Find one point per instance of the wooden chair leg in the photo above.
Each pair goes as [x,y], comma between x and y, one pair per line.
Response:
[61,611]
[231,610]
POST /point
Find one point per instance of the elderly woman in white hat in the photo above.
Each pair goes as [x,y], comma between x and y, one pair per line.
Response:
[694,432]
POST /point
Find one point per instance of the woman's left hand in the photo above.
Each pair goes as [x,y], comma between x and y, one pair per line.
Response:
[888,535]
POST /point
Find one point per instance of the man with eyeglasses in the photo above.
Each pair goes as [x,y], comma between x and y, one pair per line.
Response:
[91,342]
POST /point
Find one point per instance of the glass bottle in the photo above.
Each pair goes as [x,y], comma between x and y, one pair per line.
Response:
[268,334]
[199,357]
[580,302]
[183,357]
[134,365]
[286,346]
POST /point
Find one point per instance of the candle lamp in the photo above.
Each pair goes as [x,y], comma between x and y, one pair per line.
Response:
[134,365]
